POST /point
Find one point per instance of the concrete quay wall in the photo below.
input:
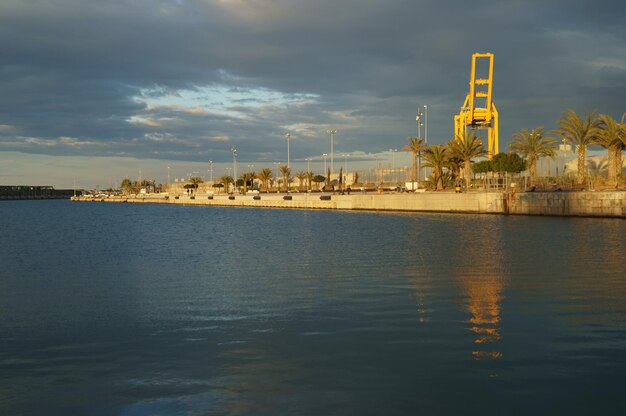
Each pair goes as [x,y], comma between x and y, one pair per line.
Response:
[599,204]
[492,202]
[585,203]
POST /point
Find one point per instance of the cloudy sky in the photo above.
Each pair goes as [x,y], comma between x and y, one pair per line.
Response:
[100,90]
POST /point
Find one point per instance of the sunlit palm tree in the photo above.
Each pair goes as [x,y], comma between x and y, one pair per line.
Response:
[466,148]
[226,181]
[611,135]
[580,134]
[416,146]
[195,181]
[532,145]
[309,179]
[285,171]
[245,178]
[265,175]
[301,176]
[436,158]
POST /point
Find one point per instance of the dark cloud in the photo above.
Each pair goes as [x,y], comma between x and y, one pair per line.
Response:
[82,77]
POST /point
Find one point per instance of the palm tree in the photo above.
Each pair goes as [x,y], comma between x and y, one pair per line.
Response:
[532,145]
[301,177]
[285,171]
[265,176]
[226,180]
[465,148]
[416,145]
[195,181]
[578,133]
[436,158]
[251,177]
[611,135]
[126,185]
[245,177]
[309,178]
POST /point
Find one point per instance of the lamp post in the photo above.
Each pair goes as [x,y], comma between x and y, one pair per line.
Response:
[211,170]
[345,165]
[332,133]
[393,164]
[308,164]
[168,178]
[377,169]
[234,151]
[564,149]
[418,118]
[276,164]
[288,137]
[325,154]
[426,124]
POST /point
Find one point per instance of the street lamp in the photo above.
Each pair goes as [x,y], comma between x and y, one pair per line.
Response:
[288,137]
[234,151]
[418,118]
[393,163]
[168,178]
[332,133]
[211,169]
[325,154]
[564,149]
[426,124]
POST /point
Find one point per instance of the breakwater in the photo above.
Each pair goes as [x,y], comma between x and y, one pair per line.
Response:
[8,192]
[589,203]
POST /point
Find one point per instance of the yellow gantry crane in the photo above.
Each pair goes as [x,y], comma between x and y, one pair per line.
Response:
[478,110]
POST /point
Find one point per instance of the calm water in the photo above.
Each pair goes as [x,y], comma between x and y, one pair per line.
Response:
[122,309]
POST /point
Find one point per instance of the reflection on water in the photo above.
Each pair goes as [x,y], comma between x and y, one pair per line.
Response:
[484,299]
[119,309]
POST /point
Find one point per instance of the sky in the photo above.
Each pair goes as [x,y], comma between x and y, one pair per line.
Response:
[95,91]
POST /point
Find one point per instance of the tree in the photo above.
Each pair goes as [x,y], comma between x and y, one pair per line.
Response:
[309,178]
[611,135]
[285,171]
[341,179]
[507,162]
[466,147]
[194,182]
[436,158]
[416,146]
[246,178]
[126,185]
[301,176]
[580,134]
[251,177]
[226,180]
[318,179]
[483,166]
[533,145]
[265,175]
